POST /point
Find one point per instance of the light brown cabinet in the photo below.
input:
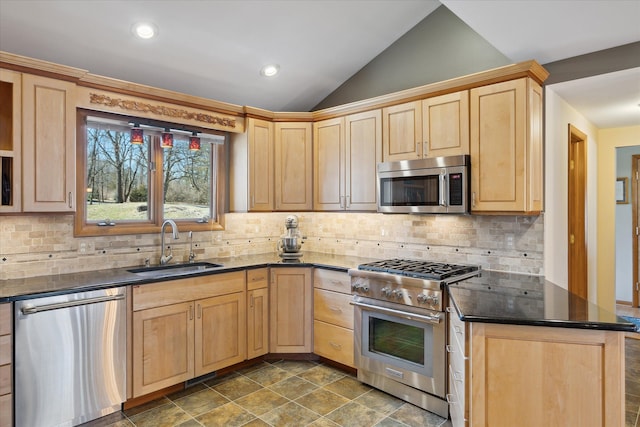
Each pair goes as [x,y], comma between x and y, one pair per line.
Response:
[506,147]
[186,328]
[290,302]
[293,166]
[506,375]
[6,371]
[257,312]
[402,132]
[445,125]
[10,140]
[333,316]
[261,157]
[346,153]
[48,144]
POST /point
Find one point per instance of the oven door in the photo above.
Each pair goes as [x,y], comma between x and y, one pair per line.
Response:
[401,343]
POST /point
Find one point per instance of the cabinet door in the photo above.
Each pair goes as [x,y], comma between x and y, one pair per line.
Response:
[10,141]
[363,151]
[293,166]
[48,144]
[291,311]
[162,347]
[402,132]
[261,149]
[445,125]
[329,165]
[257,322]
[220,332]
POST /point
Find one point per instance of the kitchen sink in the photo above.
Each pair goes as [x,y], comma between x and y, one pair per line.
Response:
[174,269]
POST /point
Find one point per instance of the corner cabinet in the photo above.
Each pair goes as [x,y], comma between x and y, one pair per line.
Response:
[506,148]
[507,375]
[291,308]
[257,312]
[48,144]
[186,328]
[293,163]
[346,152]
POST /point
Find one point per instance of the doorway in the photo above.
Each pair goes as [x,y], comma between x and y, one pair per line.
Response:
[577,213]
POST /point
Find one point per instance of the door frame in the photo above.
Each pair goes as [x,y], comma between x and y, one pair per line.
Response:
[635,224]
[577,213]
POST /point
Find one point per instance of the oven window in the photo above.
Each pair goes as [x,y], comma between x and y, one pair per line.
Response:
[410,191]
[396,339]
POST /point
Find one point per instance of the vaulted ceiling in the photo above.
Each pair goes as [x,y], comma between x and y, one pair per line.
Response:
[215,49]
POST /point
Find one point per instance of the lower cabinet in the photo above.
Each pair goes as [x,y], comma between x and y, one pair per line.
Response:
[290,299]
[257,312]
[186,328]
[333,316]
[6,355]
[532,376]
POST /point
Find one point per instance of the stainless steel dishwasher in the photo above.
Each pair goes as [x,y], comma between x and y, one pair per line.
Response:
[70,358]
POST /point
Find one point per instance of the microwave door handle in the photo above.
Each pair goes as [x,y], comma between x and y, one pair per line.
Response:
[442,185]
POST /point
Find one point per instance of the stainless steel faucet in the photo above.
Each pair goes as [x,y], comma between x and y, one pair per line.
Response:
[174,228]
[192,255]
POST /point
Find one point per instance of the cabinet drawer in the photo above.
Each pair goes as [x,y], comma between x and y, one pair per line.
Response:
[331,280]
[5,379]
[6,411]
[5,349]
[333,342]
[333,307]
[5,319]
[457,390]
[257,279]
[184,290]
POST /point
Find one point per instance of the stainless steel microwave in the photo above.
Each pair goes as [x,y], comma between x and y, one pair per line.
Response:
[432,185]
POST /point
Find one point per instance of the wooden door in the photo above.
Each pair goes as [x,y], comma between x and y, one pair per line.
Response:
[261,152]
[257,322]
[293,167]
[363,151]
[329,165]
[162,347]
[402,132]
[497,146]
[220,332]
[577,213]
[445,125]
[10,140]
[291,310]
[48,144]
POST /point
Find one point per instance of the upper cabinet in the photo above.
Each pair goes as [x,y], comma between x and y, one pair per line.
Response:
[436,126]
[445,125]
[261,149]
[506,147]
[48,144]
[10,140]
[293,174]
[346,152]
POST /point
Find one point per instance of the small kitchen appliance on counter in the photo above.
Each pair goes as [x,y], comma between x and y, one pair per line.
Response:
[291,241]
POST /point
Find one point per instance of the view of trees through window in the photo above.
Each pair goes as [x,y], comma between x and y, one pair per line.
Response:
[120,175]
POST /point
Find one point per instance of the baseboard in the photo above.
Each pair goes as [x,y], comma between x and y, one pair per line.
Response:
[619,302]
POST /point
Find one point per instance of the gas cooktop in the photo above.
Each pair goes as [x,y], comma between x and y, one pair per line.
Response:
[419,269]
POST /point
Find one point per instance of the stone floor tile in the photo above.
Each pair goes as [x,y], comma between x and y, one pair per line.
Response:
[323,422]
[261,401]
[237,387]
[355,415]
[321,375]
[348,387]
[229,415]
[204,401]
[295,367]
[168,415]
[322,401]
[413,416]
[147,406]
[293,387]
[289,415]
[268,375]
[380,401]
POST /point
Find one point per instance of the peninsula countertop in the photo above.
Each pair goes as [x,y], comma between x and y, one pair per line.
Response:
[520,299]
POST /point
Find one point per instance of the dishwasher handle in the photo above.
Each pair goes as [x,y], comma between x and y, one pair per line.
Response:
[32,309]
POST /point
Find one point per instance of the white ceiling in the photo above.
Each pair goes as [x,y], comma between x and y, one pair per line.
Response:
[215,49]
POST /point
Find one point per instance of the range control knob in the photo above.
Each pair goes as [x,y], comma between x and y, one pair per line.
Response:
[386,292]
[397,294]
[360,286]
[428,299]
[422,299]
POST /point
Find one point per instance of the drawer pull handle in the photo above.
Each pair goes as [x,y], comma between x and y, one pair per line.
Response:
[449,310]
[451,399]
[449,348]
[335,309]
[334,345]
[457,375]
[457,329]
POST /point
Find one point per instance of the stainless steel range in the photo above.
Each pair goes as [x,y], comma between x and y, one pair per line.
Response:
[400,328]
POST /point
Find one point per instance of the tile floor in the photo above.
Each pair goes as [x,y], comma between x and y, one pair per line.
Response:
[632,383]
[282,393]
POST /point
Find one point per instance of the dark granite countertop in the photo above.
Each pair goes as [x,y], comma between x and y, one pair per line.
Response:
[40,286]
[520,299]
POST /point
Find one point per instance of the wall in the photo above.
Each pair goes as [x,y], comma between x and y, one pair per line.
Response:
[558,115]
[42,245]
[440,47]
[608,141]
[624,228]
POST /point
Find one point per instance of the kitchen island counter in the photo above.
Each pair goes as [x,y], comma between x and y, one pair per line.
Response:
[18,289]
[520,299]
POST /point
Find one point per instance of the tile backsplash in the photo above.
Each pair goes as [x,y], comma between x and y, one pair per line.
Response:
[36,245]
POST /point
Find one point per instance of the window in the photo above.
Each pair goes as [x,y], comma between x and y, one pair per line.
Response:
[132,188]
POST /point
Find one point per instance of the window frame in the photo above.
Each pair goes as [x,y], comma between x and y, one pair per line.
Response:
[155,196]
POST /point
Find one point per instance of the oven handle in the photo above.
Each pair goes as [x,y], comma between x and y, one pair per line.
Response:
[403,314]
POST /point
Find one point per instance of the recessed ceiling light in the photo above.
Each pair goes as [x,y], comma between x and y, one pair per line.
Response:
[145,30]
[270,70]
